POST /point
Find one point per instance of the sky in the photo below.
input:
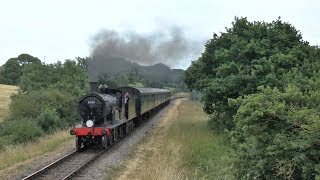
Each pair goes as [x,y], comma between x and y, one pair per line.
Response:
[63,29]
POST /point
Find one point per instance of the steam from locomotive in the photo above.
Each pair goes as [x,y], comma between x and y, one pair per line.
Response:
[167,44]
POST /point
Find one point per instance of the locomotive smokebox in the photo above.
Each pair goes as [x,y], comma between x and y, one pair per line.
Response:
[94,87]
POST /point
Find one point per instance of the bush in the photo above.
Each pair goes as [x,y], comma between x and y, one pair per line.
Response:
[20,131]
[2,145]
[195,95]
[47,99]
[46,110]
[49,121]
[277,134]
[25,105]
[220,121]
[32,104]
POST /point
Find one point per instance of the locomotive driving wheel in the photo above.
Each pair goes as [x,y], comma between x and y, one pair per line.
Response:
[104,142]
[79,143]
[110,139]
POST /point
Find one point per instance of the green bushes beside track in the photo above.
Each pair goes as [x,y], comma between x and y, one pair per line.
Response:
[260,83]
[47,101]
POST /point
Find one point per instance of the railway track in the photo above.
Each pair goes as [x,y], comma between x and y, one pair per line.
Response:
[67,166]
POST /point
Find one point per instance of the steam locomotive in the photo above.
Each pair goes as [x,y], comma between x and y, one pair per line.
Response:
[108,114]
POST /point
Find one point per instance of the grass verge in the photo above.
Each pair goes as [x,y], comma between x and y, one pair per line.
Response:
[187,150]
[205,154]
[15,154]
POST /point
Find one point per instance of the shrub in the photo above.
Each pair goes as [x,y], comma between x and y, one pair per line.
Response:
[2,145]
[25,105]
[277,134]
[220,121]
[32,104]
[49,121]
[20,131]
[47,99]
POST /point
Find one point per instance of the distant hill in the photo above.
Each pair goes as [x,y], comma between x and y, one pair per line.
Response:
[158,73]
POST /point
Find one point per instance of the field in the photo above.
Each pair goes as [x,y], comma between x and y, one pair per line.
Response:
[180,147]
[5,92]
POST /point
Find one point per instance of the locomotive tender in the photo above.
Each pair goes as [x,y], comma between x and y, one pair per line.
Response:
[108,114]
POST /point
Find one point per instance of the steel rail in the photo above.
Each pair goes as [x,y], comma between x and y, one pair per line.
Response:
[68,156]
[55,163]
[69,176]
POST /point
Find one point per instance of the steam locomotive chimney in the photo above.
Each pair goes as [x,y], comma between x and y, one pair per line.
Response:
[94,87]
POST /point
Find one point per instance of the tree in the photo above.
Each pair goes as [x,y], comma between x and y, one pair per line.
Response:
[247,55]
[261,83]
[72,77]
[12,69]
[2,79]
[108,80]
[25,59]
[68,76]
[47,99]
[83,62]
[38,76]
[277,134]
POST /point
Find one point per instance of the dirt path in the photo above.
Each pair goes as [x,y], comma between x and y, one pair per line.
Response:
[152,145]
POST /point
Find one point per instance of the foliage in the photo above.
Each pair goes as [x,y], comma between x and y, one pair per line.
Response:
[12,69]
[37,76]
[49,121]
[138,79]
[195,96]
[277,134]
[108,80]
[33,104]
[132,78]
[2,79]
[11,72]
[261,83]
[70,77]
[19,131]
[247,55]
[47,100]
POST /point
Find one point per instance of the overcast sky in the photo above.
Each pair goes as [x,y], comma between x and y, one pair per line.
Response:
[63,29]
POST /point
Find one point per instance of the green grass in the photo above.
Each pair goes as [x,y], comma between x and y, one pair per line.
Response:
[15,154]
[205,154]
[188,150]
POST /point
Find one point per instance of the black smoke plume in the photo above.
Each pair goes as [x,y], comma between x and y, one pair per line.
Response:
[169,46]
